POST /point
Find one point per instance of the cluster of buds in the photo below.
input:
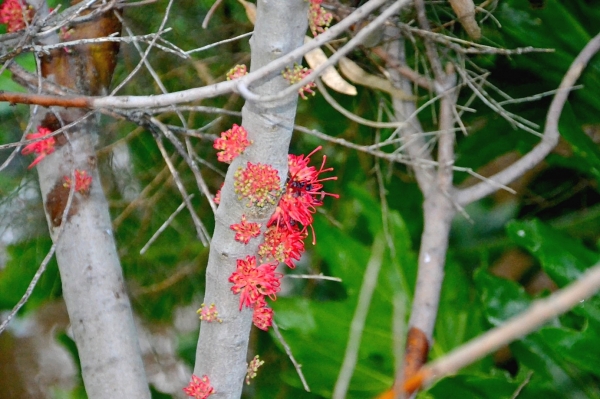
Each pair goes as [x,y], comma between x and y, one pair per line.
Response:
[237,72]
[83,182]
[16,14]
[209,313]
[318,18]
[296,74]
[41,147]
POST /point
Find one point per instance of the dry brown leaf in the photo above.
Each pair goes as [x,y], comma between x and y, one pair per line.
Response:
[359,76]
[465,11]
[250,10]
[330,76]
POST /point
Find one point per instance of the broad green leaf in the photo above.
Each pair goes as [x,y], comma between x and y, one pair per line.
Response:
[504,299]
[563,258]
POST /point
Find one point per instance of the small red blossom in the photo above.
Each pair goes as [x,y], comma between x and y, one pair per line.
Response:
[262,317]
[258,183]
[199,388]
[209,314]
[245,230]
[217,198]
[16,14]
[253,366]
[253,282]
[83,181]
[283,244]
[42,147]
[231,143]
[297,74]
[237,72]
[318,18]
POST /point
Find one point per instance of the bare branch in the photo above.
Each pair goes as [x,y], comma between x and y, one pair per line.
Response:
[540,311]
[549,139]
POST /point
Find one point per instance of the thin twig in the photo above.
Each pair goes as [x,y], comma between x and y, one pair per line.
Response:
[201,231]
[549,139]
[314,277]
[288,351]
[164,226]
[358,320]
[45,261]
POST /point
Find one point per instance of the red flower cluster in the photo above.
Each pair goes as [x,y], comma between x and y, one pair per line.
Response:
[286,229]
[297,74]
[42,147]
[16,14]
[231,143]
[318,18]
[199,388]
[303,194]
[83,181]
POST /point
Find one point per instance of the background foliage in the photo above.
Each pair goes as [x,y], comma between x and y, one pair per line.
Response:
[514,249]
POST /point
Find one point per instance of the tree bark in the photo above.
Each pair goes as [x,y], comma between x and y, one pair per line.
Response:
[92,279]
[222,347]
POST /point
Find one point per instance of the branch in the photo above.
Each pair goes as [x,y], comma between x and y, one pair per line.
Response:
[549,138]
[540,311]
[153,101]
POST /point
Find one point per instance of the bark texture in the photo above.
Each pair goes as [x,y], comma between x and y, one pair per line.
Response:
[92,279]
[222,347]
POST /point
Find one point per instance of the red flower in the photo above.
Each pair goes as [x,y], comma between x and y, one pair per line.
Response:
[42,147]
[245,231]
[284,244]
[83,181]
[262,316]
[259,183]
[199,388]
[303,192]
[13,14]
[232,143]
[253,282]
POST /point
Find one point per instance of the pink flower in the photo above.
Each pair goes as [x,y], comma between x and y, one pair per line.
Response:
[258,183]
[303,192]
[83,181]
[318,18]
[199,388]
[237,72]
[297,74]
[232,143]
[245,231]
[262,317]
[42,148]
[209,313]
[283,244]
[253,282]
[16,14]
